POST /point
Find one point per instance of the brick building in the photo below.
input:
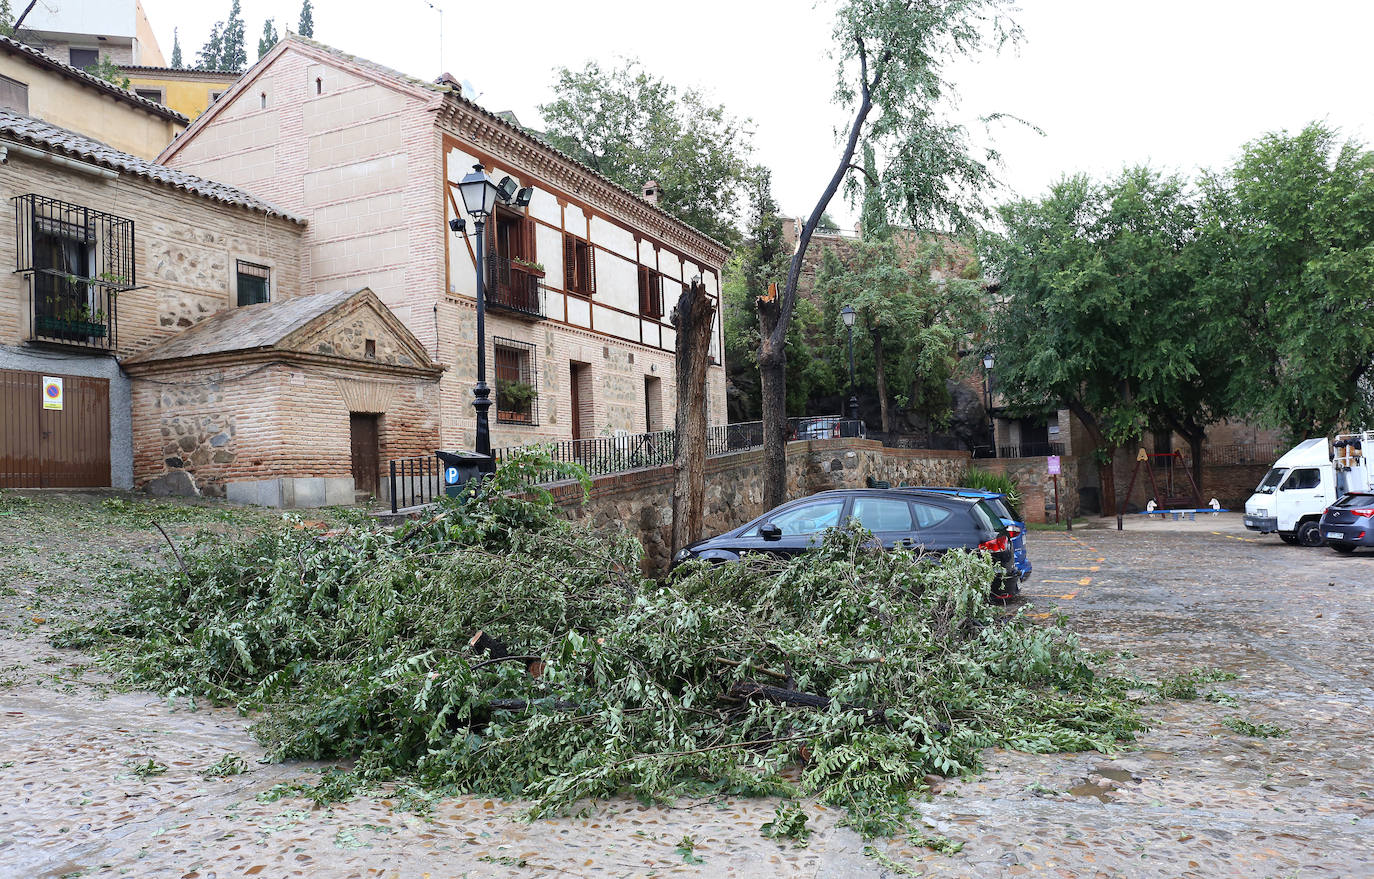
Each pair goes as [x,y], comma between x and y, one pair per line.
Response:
[154,334]
[583,278]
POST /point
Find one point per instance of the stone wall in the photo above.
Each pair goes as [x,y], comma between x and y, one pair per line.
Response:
[642,500]
[1037,488]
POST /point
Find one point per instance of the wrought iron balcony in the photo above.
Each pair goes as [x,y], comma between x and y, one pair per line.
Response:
[514,287]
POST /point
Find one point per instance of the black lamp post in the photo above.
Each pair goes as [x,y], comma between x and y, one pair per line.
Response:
[847,315]
[479,198]
[987,393]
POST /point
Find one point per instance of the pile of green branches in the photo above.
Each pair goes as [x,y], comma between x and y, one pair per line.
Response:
[502,650]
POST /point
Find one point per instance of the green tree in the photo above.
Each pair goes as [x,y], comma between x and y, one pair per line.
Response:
[6,18]
[909,324]
[1286,249]
[108,71]
[306,27]
[892,56]
[633,127]
[760,261]
[1100,314]
[269,38]
[177,63]
[224,50]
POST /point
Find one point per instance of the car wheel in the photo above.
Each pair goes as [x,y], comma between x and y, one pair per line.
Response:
[1342,547]
[1310,534]
[1290,539]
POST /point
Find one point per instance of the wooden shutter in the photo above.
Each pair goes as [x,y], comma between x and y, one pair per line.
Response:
[529,252]
[643,290]
[591,269]
[492,261]
[569,262]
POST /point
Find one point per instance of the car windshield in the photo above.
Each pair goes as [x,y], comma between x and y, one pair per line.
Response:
[1271,480]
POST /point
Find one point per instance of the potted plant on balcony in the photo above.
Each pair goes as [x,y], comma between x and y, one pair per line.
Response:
[528,266]
[513,400]
[73,323]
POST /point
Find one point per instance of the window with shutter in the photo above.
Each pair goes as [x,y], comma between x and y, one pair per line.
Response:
[14,95]
[650,293]
[579,265]
[569,263]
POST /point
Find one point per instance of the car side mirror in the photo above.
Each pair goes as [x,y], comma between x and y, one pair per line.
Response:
[770,532]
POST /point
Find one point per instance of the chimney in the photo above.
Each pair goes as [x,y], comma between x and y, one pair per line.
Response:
[652,192]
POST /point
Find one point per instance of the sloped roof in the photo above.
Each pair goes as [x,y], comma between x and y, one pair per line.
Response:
[34,56]
[246,328]
[440,90]
[52,138]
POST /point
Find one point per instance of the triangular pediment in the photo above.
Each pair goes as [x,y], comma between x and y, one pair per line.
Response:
[361,328]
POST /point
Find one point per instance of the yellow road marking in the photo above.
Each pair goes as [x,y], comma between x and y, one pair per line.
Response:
[1233,537]
[1058,581]
[1091,568]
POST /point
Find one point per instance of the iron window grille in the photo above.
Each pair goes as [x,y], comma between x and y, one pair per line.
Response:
[254,283]
[79,260]
[517,381]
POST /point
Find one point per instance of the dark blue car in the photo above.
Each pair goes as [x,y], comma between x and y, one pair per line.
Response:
[999,502]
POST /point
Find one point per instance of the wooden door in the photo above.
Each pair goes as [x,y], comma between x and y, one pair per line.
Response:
[574,386]
[54,448]
[365,451]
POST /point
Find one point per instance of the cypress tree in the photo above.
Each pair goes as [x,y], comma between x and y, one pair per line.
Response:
[307,26]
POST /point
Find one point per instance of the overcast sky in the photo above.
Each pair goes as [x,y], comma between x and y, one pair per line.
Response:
[1180,84]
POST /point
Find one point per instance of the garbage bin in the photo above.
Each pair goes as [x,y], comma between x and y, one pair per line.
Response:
[459,467]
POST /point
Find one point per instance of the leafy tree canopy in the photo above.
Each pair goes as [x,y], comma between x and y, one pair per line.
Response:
[306,27]
[633,127]
[1286,250]
[224,50]
[269,37]
[177,63]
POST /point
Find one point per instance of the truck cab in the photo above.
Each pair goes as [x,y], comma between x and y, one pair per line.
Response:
[1291,497]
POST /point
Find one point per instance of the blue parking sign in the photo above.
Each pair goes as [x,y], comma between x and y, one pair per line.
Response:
[451,476]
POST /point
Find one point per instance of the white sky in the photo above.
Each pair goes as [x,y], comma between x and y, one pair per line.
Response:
[1180,84]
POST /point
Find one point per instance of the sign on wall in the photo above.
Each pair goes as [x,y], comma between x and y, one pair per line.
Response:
[52,392]
[1053,462]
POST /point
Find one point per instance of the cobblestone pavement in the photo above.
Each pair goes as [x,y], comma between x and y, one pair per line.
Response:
[1193,797]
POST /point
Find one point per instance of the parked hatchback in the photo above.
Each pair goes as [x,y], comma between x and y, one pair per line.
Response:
[1349,522]
[926,521]
[1016,529]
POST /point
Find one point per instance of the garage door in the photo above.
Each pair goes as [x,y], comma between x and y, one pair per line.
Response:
[49,447]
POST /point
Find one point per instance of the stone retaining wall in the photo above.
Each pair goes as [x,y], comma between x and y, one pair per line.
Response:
[642,500]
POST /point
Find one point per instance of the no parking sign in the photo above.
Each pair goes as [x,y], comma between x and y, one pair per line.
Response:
[52,392]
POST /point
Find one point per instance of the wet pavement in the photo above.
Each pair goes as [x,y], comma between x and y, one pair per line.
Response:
[1194,797]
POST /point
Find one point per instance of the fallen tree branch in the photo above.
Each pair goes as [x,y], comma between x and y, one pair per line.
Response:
[176,552]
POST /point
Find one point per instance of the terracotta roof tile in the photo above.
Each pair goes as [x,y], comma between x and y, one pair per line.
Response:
[245,328]
[34,56]
[45,135]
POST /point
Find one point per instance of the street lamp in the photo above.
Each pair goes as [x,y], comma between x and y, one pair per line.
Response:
[847,315]
[480,195]
[987,394]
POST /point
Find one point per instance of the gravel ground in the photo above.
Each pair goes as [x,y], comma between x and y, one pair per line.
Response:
[1193,797]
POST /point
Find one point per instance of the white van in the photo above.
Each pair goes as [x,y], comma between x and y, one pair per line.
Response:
[1303,483]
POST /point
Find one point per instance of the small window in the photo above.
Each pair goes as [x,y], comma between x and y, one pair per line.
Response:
[929,515]
[579,265]
[215,96]
[154,95]
[650,293]
[254,283]
[319,86]
[882,514]
[263,98]
[83,58]
[1303,477]
[517,386]
[370,349]
[14,95]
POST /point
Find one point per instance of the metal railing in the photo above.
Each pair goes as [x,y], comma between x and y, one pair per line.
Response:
[72,311]
[1241,453]
[415,481]
[1030,450]
[514,287]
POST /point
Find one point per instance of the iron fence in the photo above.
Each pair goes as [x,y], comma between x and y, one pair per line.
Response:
[513,287]
[1030,450]
[1241,453]
[417,481]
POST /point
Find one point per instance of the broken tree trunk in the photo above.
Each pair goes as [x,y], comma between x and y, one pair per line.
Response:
[692,317]
[773,389]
